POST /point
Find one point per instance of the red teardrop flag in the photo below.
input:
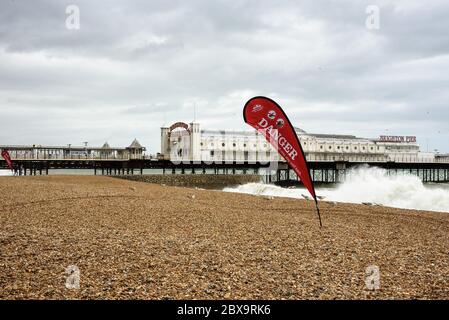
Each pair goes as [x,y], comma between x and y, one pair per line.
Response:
[268,118]
[5,155]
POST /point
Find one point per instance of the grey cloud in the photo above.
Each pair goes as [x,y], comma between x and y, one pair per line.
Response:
[135,65]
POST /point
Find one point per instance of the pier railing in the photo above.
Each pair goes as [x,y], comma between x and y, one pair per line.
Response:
[397,159]
[80,157]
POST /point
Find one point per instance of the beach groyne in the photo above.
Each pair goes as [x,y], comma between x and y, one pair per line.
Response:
[205,181]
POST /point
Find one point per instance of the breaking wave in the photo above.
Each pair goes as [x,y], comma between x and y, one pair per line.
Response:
[5,172]
[369,185]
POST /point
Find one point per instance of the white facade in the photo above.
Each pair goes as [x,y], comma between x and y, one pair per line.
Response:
[39,152]
[184,142]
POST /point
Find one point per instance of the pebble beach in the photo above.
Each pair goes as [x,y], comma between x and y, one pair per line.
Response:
[136,240]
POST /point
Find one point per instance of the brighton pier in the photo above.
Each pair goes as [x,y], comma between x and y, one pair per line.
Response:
[185,148]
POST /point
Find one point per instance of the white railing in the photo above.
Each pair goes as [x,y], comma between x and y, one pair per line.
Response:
[81,157]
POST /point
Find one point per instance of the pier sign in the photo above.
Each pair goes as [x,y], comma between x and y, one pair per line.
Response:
[179,125]
[397,138]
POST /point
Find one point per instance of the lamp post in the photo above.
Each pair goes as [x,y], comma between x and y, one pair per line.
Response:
[85,148]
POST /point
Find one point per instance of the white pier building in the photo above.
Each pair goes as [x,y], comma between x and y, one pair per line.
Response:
[187,142]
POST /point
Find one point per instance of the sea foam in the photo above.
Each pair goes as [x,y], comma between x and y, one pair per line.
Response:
[5,172]
[369,185]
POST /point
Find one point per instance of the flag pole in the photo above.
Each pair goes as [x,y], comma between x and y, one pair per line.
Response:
[318,211]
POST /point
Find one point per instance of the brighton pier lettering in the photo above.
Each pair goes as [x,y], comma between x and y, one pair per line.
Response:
[397,138]
[274,134]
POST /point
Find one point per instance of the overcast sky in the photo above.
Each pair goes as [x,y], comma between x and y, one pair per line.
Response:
[135,65]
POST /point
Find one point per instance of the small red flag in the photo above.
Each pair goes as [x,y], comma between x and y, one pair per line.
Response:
[267,117]
[5,155]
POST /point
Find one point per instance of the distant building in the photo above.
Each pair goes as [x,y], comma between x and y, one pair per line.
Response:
[134,151]
[188,142]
